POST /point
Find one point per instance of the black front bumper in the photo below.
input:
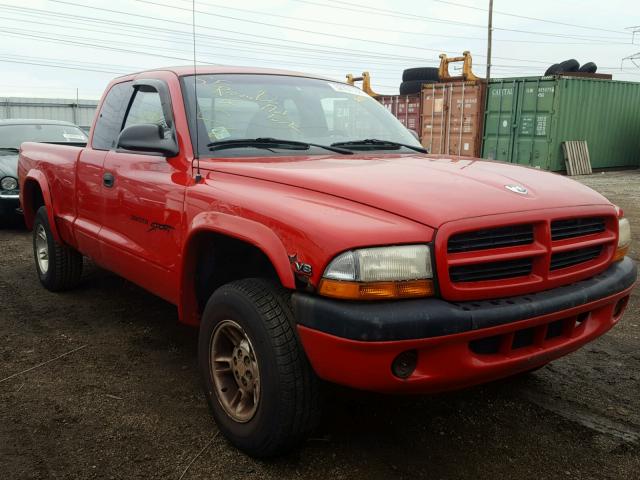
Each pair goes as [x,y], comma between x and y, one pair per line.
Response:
[9,202]
[433,317]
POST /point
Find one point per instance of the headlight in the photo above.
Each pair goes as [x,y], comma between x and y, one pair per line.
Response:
[9,183]
[624,239]
[379,273]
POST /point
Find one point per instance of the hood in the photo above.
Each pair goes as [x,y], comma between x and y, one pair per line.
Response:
[8,164]
[431,190]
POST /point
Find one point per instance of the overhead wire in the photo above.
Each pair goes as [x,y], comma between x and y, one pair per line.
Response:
[525,17]
[370,56]
[361,8]
[380,29]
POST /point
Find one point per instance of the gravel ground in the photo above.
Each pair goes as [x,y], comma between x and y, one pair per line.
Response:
[127,402]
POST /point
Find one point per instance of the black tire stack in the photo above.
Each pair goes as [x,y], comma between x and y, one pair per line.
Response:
[571,65]
[414,78]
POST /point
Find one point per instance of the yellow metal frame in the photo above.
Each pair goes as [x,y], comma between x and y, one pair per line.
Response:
[365,78]
[467,74]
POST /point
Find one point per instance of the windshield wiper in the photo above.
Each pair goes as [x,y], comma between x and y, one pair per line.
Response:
[375,144]
[10,149]
[269,143]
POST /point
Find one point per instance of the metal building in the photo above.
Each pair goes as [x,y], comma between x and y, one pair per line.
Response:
[80,112]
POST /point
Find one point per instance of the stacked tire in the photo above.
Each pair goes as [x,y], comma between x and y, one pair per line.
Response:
[414,78]
[569,66]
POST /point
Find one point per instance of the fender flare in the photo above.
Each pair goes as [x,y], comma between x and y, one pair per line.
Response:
[29,212]
[249,231]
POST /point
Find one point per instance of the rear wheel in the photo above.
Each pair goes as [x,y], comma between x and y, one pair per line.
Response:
[259,385]
[59,267]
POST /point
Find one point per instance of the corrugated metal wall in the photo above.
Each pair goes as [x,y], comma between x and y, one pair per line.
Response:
[527,119]
[606,114]
[49,109]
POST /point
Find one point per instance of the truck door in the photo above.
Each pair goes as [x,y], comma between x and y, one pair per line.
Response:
[144,199]
[89,170]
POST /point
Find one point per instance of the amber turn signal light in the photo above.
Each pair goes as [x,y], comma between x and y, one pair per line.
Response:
[620,253]
[375,290]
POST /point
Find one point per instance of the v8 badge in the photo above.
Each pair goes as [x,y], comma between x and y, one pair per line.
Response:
[300,268]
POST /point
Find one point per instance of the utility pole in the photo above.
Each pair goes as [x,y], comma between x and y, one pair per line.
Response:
[489,33]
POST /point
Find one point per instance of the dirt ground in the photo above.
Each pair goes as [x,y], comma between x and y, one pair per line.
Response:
[127,403]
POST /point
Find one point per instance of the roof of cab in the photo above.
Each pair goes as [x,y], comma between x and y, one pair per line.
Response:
[229,69]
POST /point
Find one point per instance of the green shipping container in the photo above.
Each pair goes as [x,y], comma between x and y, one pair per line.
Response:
[527,119]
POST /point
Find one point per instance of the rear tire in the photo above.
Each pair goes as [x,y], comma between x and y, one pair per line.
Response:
[59,267]
[422,73]
[248,326]
[588,67]
[569,66]
[553,70]
[413,87]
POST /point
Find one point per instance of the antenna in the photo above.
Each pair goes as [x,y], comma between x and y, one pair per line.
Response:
[196,154]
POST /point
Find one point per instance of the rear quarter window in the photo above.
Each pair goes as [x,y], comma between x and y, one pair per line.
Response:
[111,116]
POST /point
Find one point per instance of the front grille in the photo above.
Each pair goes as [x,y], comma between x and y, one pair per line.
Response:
[574,257]
[491,238]
[491,260]
[576,227]
[491,271]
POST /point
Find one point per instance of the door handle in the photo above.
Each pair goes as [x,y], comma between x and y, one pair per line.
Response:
[108,179]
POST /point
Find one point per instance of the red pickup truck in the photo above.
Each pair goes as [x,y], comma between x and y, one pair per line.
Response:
[309,236]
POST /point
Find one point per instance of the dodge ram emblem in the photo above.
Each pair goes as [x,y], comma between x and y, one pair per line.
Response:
[517,189]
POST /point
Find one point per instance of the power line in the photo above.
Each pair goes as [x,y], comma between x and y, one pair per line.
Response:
[342,51]
[313,31]
[80,41]
[278,26]
[295,29]
[67,67]
[252,35]
[185,42]
[530,18]
[360,8]
[379,29]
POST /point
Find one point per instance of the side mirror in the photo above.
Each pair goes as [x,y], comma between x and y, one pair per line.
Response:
[414,133]
[147,137]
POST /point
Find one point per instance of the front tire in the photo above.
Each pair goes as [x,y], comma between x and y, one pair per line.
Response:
[259,385]
[59,267]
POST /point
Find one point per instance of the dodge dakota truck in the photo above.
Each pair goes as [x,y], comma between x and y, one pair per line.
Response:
[310,238]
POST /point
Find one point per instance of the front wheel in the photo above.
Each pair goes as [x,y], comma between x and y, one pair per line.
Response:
[259,385]
[59,267]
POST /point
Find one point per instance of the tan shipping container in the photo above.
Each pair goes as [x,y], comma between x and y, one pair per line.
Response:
[452,118]
[405,108]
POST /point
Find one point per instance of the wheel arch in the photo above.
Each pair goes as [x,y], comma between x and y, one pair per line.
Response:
[35,193]
[208,227]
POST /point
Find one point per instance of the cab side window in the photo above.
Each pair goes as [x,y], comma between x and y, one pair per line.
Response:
[146,108]
[111,115]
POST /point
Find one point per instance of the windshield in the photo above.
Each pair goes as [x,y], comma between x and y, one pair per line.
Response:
[12,136]
[286,108]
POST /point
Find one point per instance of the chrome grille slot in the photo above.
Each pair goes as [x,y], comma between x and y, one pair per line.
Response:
[574,257]
[491,271]
[491,238]
[576,227]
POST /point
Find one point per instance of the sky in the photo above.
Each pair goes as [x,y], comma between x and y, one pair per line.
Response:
[60,48]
